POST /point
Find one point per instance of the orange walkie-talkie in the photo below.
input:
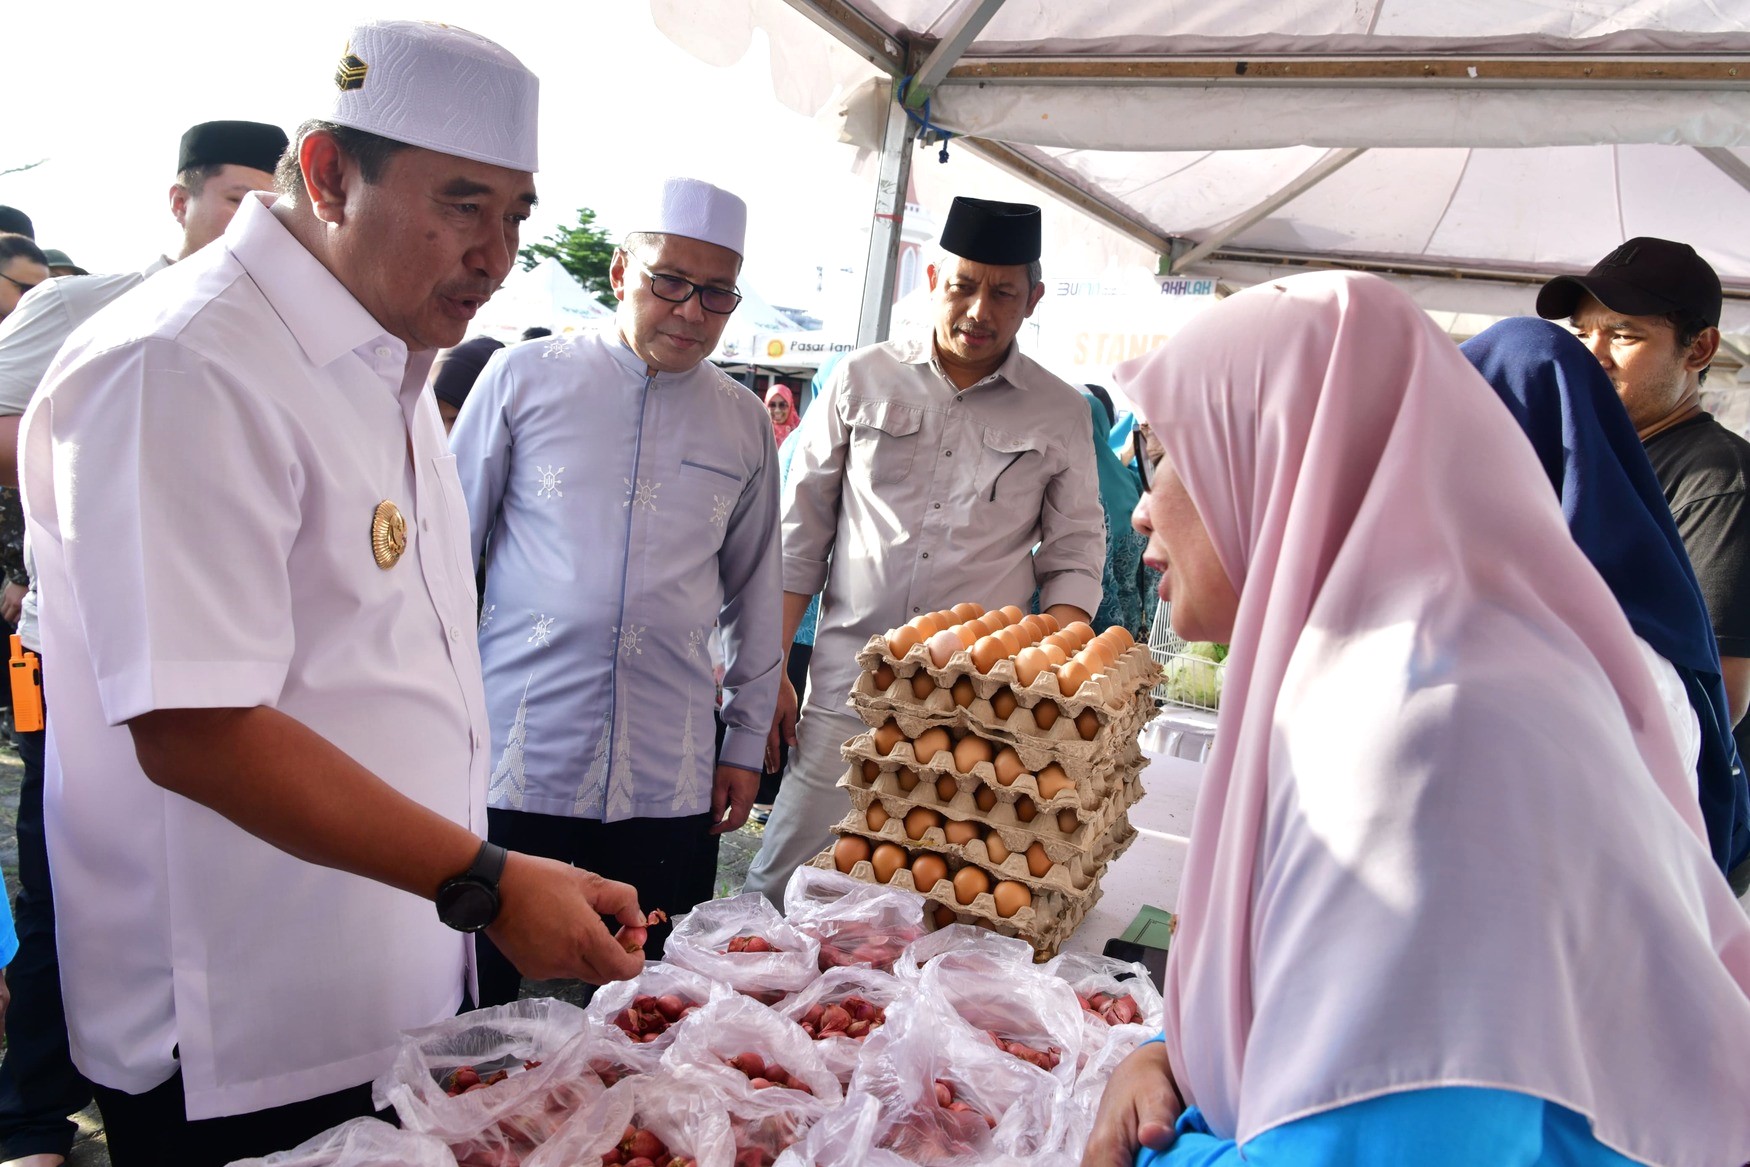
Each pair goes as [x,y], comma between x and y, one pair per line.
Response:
[27,688]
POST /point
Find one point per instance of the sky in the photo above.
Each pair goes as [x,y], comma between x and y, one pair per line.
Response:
[621,107]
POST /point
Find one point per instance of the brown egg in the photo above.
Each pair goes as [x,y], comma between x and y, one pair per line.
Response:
[1002,703]
[930,743]
[995,847]
[888,858]
[1062,640]
[1033,628]
[943,645]
[1088,724]
[1072,677]
[907,778]
[960,831]
[947,788]
[970,883]
[925,626]
[1037,861]
[1081,630]
[1029,663]
[946,619]
[968,611]
[990,623]
[1067,821]
[1010,640]
[1055,655]
[1121,634]
[887,737]
[1025,809]
[1049,621]
[987,652]
[963,693]
[1053,781]
[984,798]
[922,685]
[1011,897]
[969,752]
[871,771]
[1011,613]
[944,915]
[883,677]
[1095,655]
[1046,713]
[920,819]
[876,816]
[1008,765]
[927,870]
[849,851]
[901,640]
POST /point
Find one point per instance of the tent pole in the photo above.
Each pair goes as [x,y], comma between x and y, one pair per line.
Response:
[948,51]
[1729,164]
[1321,170]
[880,270]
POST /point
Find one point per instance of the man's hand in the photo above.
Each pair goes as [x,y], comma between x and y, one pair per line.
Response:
[1138,1110]
[554,921]
[11,602]
[732,788]
[783,723]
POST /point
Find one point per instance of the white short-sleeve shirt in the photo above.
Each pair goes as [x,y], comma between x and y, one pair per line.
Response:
[200,473]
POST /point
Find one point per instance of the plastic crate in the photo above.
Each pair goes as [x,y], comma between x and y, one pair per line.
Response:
[1191,681]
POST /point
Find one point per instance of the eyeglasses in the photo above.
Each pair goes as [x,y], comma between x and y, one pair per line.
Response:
[719,301]
[1145,466]
[19,284]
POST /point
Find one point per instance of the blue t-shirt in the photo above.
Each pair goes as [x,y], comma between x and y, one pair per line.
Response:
[1449,1126]
[8,934]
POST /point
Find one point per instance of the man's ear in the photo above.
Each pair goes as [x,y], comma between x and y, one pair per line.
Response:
[1701,354]
[930,275]
[179,197]
[1033,298]
[327,172]
[617,273]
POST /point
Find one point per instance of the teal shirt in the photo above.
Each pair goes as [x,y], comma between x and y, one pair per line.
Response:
[8,935]
[1450,1126]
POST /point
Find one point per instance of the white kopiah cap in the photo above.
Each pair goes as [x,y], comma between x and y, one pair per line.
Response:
[439,87]
[699,210]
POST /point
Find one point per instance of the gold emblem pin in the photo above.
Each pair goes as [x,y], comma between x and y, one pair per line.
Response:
[351,74]
[388,534]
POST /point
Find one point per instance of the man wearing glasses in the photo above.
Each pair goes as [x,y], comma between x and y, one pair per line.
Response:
[22,267]
[624,494]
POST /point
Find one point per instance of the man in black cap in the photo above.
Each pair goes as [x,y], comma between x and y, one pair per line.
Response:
[217,163]
[1650,312]
[455,373]
[15,222]
[22,267]
[930,471]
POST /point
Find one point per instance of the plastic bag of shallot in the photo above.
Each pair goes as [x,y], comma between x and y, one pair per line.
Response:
[841,1010]
[363,1142]
[654,1118]
[856,923]
[960,938]
[1035,1017]
[645,1011]
[744,943]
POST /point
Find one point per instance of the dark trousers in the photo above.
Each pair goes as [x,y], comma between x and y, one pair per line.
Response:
[672,863]
[152,1130]
[39,1087]
[797,671]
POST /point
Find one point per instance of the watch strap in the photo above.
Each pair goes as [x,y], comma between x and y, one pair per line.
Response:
[488,864]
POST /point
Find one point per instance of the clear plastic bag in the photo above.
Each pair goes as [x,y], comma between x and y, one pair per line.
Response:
[363,1142]
[701,941]
[839,1050]
[1121,1009]
[948,1097]
[844,1137]
[757,1037]
[856,923]
[959,938]
[644,1012]
[688,1119]
[492,1123]
[1034,1009]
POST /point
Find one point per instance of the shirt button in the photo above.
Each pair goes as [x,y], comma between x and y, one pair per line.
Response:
[383,350]
[926,555]
[425,524]
[455,634]
[917,609]
[938,506]
[947,453]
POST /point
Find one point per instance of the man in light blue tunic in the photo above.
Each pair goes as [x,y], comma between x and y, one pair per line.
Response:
[624,494]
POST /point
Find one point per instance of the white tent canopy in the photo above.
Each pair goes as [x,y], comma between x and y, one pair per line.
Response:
[1472,148]
[545,295]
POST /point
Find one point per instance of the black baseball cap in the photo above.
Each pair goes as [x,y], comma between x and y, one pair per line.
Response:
[15,222]
[1643,277]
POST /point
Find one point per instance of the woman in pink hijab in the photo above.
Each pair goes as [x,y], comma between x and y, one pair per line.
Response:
[781,404]
[1448,898]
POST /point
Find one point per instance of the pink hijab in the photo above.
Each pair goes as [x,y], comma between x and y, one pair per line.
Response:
[780,432]
[1444,837]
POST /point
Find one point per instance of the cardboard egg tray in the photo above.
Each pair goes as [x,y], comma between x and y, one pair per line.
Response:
[1133,673]
[1094,782]
[1060,846]
[1072,876]
[1045,924]
[1062,743]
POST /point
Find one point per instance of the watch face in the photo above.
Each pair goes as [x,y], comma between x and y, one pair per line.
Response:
[466,905]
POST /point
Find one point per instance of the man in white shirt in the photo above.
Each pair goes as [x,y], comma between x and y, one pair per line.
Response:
[269,725]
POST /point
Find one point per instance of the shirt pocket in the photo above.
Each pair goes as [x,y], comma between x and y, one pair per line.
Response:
[1012,472]
[884,439]
[708,494]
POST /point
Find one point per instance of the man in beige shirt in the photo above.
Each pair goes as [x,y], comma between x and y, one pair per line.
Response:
[929,472]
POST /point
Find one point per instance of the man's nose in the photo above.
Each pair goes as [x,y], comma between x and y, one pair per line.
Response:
[690,309]
[1599,346]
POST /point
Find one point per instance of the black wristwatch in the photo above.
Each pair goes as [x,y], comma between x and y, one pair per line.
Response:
[469,902]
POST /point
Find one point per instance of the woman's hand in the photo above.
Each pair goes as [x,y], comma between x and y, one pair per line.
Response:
[1138,1110]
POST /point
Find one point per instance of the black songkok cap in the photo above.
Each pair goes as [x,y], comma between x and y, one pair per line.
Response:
[1000,234]
[460,368]
[250,144]
[1643,277]
[15,222]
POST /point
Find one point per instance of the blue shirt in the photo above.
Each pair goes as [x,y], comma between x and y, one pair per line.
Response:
[8,934]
